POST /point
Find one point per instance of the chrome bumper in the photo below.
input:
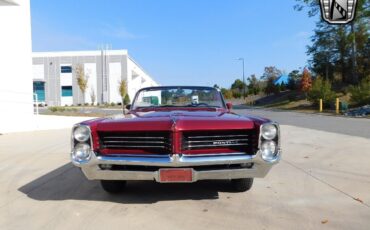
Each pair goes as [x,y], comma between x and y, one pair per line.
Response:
[258,166]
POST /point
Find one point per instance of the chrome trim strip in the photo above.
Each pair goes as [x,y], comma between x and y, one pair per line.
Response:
[174,160]
[125,141]
[260,167]
[245,140]
[219,145]
[134,146]
[223,174]
[131,137]
[196,137]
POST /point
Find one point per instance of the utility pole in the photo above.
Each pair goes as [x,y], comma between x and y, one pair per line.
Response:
[354,55]
[242,59]
[102,75]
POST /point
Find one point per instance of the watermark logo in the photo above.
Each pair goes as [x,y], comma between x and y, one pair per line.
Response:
[338,11]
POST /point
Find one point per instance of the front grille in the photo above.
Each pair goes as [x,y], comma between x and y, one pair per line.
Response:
[232,140]
[151,142]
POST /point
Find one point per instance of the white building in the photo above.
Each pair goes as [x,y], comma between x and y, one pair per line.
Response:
[16,106]
[55,81]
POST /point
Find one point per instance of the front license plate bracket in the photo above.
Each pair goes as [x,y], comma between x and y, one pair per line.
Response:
[170,175]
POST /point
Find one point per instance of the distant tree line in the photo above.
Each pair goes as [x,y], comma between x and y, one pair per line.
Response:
[339,57]
[312,87]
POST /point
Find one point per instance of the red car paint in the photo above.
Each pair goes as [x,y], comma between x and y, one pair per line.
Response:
[175,120]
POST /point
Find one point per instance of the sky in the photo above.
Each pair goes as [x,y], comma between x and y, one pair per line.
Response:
[180,42]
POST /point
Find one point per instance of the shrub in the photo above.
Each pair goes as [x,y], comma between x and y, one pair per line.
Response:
[56,109]
[126,100]
[256,91]
[226,93]
[236,94]
[292,85]
[321,89]
[292,97]
[53,109]
[112,104]
[360,95]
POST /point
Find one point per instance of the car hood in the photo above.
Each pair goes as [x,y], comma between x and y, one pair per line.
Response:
[180,120]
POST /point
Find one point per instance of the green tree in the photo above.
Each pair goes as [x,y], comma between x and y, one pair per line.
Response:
[294,79]
[321,89]
[360,95]
[122,89]
[238,84]
[92,96]
[82,80]
[271,72]
[226,93]
[126,100]
[237,88]
[254,85]
[271,88]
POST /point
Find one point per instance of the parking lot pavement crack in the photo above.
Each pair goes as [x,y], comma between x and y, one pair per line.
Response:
[326,183]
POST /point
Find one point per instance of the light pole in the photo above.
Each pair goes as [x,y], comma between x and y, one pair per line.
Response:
[242,59]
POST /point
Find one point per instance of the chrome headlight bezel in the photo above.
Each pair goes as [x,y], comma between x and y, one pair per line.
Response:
[269,131]
[81,133]
[77,143]
[81,153]
[268,150]
[272,157]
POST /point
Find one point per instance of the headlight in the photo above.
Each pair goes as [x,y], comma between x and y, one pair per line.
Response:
[269,131]
[81,153]
[268,150]
[81,133]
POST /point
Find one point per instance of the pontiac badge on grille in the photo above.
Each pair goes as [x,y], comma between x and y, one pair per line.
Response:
[224,142]
[338,11]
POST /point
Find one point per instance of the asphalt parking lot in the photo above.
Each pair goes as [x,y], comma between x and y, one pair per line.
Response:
[335,124]
[323,181]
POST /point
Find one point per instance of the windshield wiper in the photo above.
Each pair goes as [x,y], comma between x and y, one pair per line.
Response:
[203,105]
[168,106]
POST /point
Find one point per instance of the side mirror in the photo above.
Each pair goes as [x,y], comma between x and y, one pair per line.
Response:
[229,105]
[128,106]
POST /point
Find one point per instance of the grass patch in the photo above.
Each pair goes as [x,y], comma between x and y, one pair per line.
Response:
[61,109]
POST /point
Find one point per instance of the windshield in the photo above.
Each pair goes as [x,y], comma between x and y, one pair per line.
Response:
[178,97]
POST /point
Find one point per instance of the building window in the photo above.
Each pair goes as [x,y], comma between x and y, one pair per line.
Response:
[39,90]
[67,91]
[66,69]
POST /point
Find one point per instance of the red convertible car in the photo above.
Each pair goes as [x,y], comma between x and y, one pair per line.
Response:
[178,134]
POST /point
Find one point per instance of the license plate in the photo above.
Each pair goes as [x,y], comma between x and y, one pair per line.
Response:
[176,175]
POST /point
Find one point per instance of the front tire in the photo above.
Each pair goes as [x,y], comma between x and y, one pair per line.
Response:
[113,186]
[242,185]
